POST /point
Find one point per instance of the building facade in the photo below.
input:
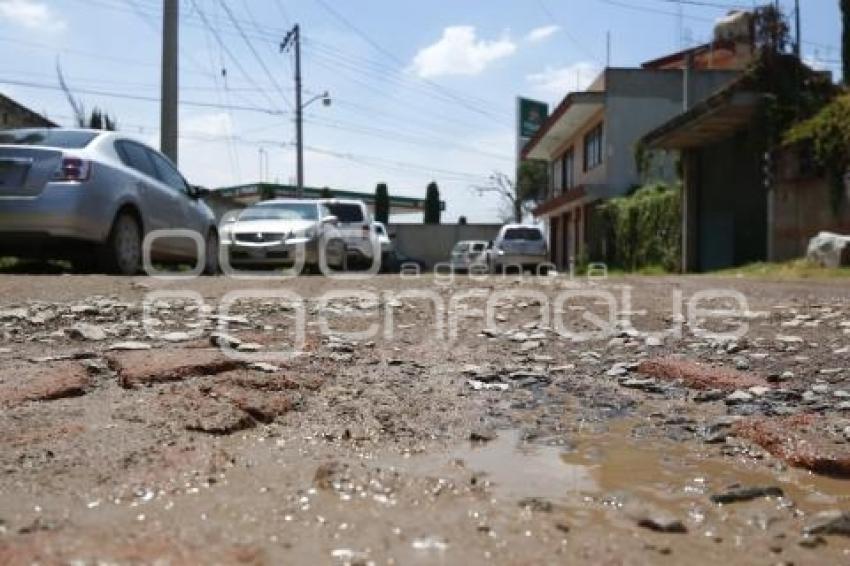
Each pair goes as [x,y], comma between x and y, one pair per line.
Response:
[590,142]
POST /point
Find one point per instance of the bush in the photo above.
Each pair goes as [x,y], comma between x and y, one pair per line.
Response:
[645,228]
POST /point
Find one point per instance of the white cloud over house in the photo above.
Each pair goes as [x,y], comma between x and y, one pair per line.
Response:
[31,14]
[544,32]
[555,82]
[460,52]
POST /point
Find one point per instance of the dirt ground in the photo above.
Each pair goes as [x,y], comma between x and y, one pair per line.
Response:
[601,422]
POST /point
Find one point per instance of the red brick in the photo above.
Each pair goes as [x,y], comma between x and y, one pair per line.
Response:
[194,409]
[43,382]
[699,376]
[801,441]
[163,366]
[261,406]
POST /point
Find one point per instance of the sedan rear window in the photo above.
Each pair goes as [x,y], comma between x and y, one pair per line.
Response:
[346,212]
[65,139]
[523,234]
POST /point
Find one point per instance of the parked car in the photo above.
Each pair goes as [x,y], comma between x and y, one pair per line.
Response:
[385,242]
[355,223]
[469,255]
[520,246]
[269,233]
[91,196]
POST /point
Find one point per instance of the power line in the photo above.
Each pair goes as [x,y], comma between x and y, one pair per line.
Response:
[229,53]
[144,98]
[378,47]
[705,4]
[569,35]
[648,10]
[256,54]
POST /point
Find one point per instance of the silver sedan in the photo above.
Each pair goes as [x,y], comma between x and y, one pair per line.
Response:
[92,196]
[285,232]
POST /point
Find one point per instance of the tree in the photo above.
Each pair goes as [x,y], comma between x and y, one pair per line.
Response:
[532,180]
[845,40]
[97,120]
[382,203]
[772,32]
[502,186]
[522,196]
[101,121]
[326,193]
[432,204]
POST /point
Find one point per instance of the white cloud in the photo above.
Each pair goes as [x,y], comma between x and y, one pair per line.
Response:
[557,82]
[31,14]
[212,125]
[459,52]
[541,33]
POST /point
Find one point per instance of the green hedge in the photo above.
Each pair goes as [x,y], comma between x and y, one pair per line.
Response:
[644,228]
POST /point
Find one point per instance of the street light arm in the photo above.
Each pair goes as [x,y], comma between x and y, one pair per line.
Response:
[325,97]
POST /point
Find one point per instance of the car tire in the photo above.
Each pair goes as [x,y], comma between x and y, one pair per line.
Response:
[343,261]
[211,259]
[122,254]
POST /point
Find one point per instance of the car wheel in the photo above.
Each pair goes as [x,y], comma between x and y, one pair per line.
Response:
[211,265]
[123,251]
[341,254]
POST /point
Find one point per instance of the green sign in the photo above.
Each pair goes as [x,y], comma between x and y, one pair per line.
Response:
[531,115]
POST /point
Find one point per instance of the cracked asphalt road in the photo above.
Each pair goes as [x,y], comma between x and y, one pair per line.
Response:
[131,436]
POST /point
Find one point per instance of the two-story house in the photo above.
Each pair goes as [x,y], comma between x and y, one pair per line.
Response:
[591,138]
[590,142]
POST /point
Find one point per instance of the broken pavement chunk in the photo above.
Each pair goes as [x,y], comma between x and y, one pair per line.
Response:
[740,494]
[698,376]
[43,383]
[802,441]
[142,368]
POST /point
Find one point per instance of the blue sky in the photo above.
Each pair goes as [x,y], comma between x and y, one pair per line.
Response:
[421,90]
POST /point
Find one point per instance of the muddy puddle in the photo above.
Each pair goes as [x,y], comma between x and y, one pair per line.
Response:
[614,462]
[656,491]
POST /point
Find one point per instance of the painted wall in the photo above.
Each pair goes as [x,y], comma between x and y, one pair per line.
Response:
[639,101]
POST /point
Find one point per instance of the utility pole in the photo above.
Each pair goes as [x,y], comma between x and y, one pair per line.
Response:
[294,38]
[168,127]
[798,46]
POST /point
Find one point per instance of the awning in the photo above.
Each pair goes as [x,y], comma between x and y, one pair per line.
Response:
[713,120]
[573,113]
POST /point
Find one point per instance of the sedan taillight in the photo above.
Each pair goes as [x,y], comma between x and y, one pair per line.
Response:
[73,169]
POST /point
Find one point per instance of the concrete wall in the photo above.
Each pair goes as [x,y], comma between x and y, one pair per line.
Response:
[639,100]
[801,206]
[432,243]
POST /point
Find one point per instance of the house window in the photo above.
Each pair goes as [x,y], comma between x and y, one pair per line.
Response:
[593,148]
[568,170]
[557,181]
